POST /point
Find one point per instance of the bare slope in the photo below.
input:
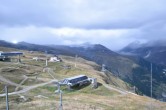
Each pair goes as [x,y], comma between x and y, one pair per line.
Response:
[28,81]
[135,71]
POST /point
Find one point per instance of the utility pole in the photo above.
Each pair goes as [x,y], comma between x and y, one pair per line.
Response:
[151,85]
[60,93]
[60,105]
[7,102]
[46,59]
[19,59]
[76,61]
[151,80]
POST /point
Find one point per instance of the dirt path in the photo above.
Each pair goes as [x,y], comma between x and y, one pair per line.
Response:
[29,88]
[22,82]
[123,92]
[112,88]
[9,82]
[25,89]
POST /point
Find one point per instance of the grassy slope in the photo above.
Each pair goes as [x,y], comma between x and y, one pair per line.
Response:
[84,98]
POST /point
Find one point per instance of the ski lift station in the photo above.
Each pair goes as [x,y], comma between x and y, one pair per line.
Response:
[78,80]
[6,55]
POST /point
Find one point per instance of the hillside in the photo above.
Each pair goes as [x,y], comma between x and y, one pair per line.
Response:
[152,51]
[135,71]
[32,80]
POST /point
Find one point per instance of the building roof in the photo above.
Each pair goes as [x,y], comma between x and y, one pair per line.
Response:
[74,77]
[10,53]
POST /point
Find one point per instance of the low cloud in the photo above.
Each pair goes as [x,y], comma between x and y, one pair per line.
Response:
[68,36]
[113,23]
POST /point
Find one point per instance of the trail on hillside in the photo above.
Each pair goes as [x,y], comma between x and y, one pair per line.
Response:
[29,88]
[22,82]
[49,70]
[123,92]
[9,82]
[112,88]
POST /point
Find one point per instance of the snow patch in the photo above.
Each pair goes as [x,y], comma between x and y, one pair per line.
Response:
[161,51]
[164,94]
[148,55]
[127,53]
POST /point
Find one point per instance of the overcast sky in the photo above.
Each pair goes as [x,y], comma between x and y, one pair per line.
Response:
[113,23]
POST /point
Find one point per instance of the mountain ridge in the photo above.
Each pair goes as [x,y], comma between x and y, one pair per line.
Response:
[29,78]
[154,52]
[131,70]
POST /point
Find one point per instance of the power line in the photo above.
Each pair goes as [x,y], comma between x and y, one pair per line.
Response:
[46,59]
[76,60]
[59,91]
[151,78]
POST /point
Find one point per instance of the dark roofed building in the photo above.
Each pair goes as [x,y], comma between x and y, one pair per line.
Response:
[6,55]
[72,81]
